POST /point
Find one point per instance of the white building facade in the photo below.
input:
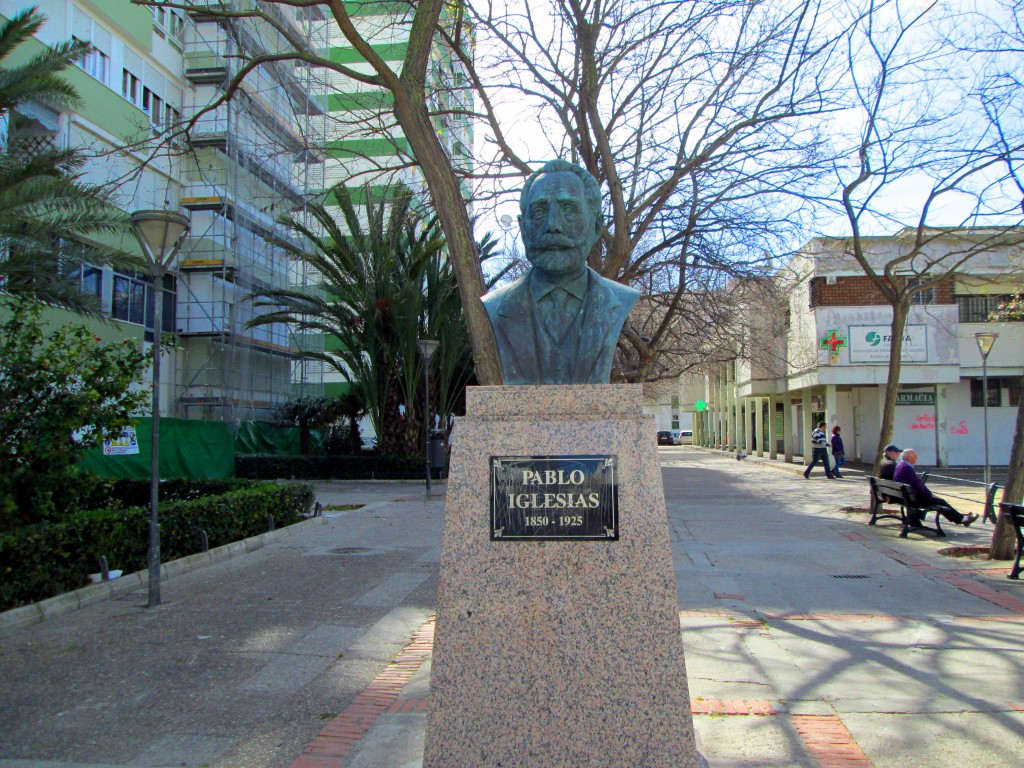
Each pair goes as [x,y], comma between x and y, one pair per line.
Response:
[832,364]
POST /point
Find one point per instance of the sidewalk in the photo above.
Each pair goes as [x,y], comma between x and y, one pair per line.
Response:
[244,662]
[811,639]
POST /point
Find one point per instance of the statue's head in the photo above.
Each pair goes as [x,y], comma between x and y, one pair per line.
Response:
[560,218]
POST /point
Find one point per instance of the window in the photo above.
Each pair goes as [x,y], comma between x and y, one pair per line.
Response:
[1013,390]
[978,308]
[153,106]
[131,88]
[995,393]
[92,281]
[168,22]
[156,113]
[924,296]
[97,61]
[171,116]
[130,299]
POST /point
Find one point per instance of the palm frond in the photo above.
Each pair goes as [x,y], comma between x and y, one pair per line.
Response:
[38,79]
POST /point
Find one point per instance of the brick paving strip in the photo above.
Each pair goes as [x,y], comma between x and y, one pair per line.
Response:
[380,697]
[961,579]
[825,737]
[335,741]
[732,707]
[829,743]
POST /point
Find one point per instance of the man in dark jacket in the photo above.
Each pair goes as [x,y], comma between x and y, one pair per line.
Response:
[905,473]
[892,456]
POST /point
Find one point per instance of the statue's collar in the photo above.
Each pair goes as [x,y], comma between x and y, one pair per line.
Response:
[540,286]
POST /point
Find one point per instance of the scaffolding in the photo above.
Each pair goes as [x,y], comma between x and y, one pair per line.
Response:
[250,159]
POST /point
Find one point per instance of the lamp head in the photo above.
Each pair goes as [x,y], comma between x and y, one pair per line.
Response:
[985,339]
[159,233]
[427,348]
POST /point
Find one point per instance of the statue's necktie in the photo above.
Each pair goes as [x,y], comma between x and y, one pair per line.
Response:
[561,311]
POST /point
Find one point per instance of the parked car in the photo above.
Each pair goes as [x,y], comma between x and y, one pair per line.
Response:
[665,438]
[686,437]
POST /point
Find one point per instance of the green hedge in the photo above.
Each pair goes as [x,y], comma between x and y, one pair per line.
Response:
[135,493]
[330,467]
[44,560]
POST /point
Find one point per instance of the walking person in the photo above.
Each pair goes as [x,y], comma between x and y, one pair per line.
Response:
[819,452]
[838,453]
[905,473]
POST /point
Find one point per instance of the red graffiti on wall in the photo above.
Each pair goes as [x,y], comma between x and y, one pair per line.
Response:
[924,421]
[960,429]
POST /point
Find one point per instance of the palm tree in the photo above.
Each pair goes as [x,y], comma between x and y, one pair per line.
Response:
[49,217]
[375,301]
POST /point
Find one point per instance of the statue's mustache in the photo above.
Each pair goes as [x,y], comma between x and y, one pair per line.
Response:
[554,242]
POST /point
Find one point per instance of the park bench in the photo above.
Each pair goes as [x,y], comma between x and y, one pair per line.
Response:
[1016,514]
[912,514]
[879,500]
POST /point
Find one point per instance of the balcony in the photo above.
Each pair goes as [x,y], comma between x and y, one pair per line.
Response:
[205,67]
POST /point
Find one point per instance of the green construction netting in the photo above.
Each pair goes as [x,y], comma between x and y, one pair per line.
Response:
[263,437]
[198,450]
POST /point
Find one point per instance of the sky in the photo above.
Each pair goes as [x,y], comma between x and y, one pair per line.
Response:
[901,199]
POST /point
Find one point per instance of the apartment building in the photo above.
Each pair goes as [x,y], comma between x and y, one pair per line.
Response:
[250,159]
[287,133]
[831,363]
[365,148]
[247,161]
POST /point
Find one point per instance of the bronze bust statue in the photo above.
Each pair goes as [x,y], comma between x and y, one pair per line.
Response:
[559,323]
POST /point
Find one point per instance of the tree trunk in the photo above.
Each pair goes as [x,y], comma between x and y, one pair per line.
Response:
[897,328]
[410,108]
[412,432]
[355,442]
[391,440]
[458,230]
[1004,540]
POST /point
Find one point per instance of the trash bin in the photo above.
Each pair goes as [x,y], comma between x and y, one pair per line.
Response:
[437,450]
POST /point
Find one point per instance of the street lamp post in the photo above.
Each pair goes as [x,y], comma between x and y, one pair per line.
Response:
[159,233]
[985,340]
[427,349]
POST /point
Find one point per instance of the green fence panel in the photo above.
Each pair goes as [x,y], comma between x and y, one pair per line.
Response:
[261,437]
[195,450]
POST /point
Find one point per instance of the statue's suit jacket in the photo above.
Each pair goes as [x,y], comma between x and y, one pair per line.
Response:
[523,347]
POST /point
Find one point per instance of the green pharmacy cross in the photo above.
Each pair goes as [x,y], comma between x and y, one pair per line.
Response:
[701,406]
[833,341]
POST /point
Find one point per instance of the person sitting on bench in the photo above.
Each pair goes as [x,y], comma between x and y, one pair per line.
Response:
[905,473]
[891,459]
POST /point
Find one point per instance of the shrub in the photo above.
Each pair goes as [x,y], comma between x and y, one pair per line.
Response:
[45,559]
[340,439]
[330,467]
[53,384]
[135,493]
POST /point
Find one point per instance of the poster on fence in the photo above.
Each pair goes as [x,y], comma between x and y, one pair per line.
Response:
[125,444]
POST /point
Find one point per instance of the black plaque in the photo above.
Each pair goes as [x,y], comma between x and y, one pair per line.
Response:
[554,497]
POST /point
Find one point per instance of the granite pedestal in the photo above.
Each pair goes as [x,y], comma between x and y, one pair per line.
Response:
[557,653]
